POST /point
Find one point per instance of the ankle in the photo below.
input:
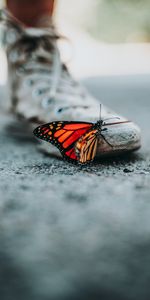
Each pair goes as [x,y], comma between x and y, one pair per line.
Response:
[30,11]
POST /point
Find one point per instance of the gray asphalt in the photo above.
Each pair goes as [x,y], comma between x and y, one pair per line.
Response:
[69,232]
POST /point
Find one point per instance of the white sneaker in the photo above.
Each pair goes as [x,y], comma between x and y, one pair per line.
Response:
[42,89]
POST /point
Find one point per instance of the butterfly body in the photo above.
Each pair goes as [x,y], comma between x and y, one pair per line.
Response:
[86,146]
[77,141]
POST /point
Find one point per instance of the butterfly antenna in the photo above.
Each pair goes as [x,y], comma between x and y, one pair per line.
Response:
[112,118]
[100,112]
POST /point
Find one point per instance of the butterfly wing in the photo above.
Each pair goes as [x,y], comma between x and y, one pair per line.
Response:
[63,135]
[86,147]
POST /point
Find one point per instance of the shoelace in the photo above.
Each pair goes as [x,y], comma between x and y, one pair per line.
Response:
[53,80]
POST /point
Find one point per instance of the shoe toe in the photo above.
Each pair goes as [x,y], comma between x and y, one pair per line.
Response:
[119,138]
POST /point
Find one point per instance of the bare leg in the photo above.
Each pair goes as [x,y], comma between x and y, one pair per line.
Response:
[29,11]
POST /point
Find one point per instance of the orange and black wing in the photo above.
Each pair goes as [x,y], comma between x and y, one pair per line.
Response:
[64,135]
[86,146]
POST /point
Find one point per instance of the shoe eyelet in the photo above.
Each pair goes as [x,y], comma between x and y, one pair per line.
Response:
[40,89]
[29,82]
[59,110]
[20,71]
[46,102]
[13,56]
[37,93]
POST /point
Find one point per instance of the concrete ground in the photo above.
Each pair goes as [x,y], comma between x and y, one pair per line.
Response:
[69,232]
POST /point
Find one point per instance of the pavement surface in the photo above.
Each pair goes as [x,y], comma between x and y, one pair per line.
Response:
[69,232]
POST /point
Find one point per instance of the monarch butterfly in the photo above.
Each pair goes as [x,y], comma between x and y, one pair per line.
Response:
[77,141]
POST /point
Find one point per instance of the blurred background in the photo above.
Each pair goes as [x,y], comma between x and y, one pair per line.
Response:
[114,21]
[109,37]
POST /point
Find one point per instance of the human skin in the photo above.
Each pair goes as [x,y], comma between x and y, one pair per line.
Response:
[29,11]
